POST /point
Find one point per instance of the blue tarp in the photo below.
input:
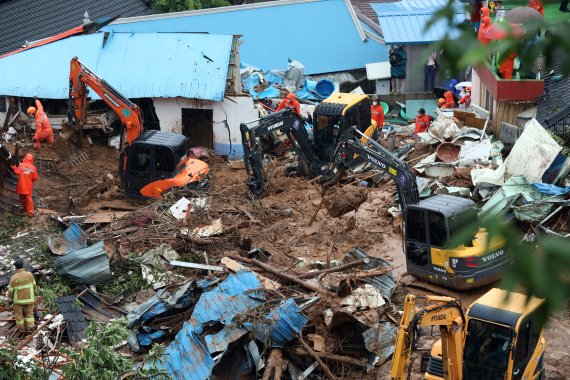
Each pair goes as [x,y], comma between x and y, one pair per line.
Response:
[547,188]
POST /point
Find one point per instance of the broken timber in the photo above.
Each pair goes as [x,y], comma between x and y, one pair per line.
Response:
[278,273]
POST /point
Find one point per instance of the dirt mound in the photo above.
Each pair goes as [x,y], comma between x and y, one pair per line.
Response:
[344,200]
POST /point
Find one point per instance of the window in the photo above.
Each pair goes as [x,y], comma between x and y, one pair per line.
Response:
[527,339]
[163,160]
[3,101]
[487,350]
[141,159]
[324,121]
[437,229]
[415,226]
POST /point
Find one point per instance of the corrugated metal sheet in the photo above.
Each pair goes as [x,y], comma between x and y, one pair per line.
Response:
[282,324]
[384,283]
[409,5]
[44,71]
[380,339]
[136,64]
[319,31]
[75,237]
[89,266]
[188,357]
[410,27]
[74,318]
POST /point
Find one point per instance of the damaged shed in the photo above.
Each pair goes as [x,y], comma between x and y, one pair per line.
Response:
[186,83]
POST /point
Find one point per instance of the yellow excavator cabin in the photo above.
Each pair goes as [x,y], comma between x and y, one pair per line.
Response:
[503,340]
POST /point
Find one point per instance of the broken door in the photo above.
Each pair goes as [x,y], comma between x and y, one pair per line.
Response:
[198,126]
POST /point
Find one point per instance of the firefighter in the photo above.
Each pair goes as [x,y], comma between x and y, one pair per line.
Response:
[290,101]
[44,132]
[449,100]
[22,293]
[27,175]
[466,100]
[377,112]
[423,122]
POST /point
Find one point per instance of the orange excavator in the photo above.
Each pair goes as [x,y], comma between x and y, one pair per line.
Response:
[151,162]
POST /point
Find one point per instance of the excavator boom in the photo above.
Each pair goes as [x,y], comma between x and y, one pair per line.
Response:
[398,170]
[80,76]
[444,312]
[293,126]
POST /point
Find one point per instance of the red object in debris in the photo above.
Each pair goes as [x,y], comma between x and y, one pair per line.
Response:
[448,152]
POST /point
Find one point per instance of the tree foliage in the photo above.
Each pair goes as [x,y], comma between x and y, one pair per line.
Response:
[461,48]
[167,6]
[541,267]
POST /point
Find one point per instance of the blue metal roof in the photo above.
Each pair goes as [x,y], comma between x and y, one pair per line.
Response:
[136,64]
[319,33]
[282,324]
[407,5]
[409,27]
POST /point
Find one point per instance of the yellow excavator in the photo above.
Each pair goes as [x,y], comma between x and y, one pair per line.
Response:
[500,337]
[331,118]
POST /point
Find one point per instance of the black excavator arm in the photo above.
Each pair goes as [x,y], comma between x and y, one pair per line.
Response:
[293,126]
[376,154]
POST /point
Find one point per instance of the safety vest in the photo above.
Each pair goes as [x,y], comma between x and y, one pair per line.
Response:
[22,287]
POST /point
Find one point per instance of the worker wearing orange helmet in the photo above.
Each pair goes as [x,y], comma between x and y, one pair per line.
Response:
[466,100]
[290,101]
[507,66]
[449,100]
[377,112]
[485,25]
[27,175]
[44,132]
[441,103]
[423,122]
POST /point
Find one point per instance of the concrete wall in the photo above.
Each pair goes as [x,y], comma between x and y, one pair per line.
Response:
[227,117]
[414,81]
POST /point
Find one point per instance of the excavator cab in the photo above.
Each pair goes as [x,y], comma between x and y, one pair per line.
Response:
[504,340]
[335,115]
[158,161]
[430,224]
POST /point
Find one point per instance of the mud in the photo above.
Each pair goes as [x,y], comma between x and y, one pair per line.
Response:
[278,223]
[343,200]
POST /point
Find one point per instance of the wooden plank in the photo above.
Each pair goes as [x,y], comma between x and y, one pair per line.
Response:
[104,217]
[234,266]
[185,264]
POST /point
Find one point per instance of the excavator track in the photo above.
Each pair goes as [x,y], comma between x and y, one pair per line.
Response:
[412,282]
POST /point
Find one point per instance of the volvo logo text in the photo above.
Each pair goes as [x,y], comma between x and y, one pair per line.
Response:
[494,256]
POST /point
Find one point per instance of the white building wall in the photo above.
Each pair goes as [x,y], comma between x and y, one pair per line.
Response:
[227,116]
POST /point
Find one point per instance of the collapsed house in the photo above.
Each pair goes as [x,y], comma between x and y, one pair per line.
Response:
[185,83]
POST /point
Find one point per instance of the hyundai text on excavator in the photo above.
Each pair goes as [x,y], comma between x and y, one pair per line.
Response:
[330,118]
[429,224]
[499,338]
[151,162]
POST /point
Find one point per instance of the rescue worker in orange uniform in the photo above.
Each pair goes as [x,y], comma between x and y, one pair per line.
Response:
[507,66]
[22,293]
[27,175]
[422,122]
[377,112]
[485,24]
[441,103]
[44,132]
[449,100]
[290,101]
[466,100]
